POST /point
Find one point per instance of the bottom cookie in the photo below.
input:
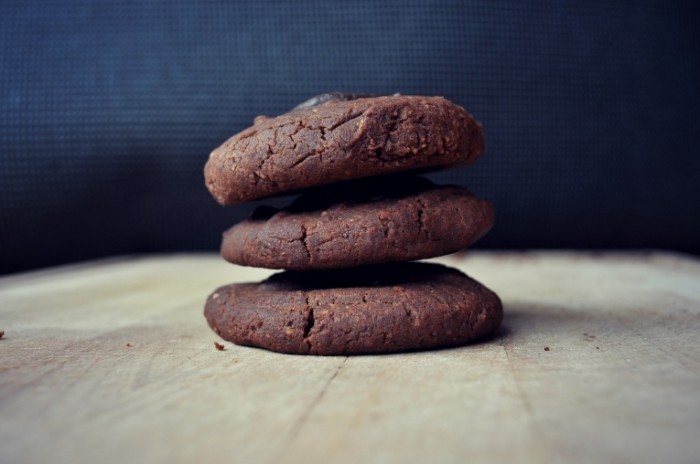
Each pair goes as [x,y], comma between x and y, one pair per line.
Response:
[372,309]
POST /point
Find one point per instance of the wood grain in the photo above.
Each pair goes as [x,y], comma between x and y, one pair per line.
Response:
[598,360]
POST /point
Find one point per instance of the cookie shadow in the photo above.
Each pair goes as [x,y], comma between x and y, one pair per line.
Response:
[524,322]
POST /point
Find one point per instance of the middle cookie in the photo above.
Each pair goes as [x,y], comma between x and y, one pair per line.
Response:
[366,222]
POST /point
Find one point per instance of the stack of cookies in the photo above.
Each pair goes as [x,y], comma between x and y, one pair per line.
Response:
[347,242]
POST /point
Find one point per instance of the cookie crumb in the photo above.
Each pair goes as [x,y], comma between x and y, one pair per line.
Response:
[2,333]
[219,346]
[546,348]
[129,345]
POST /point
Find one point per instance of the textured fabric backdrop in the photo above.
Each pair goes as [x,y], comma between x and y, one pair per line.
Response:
[110,109]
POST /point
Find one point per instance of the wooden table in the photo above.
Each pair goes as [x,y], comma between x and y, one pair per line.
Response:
[598,360]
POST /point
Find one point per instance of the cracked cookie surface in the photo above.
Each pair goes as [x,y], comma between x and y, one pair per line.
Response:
[396,218]
[373,309]
[342,140]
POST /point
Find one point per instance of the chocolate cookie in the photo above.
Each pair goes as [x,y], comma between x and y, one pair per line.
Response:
[375,309]
[367,222]
[339,139]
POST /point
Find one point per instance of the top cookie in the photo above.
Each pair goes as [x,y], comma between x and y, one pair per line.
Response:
[340,139]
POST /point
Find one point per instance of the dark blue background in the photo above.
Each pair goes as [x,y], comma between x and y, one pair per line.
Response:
[108,111]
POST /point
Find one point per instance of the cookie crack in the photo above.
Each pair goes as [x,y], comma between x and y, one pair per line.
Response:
[385,227]
[325,130]
[304,242]
[258,174]
[421,225]
[301,160]
[310,321]
[297,129]
[384,152]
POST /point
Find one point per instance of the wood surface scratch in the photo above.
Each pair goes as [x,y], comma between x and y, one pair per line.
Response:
[301,422]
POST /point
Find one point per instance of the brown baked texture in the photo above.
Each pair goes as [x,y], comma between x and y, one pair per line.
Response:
[399,218]
[374,309]
[341,140]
